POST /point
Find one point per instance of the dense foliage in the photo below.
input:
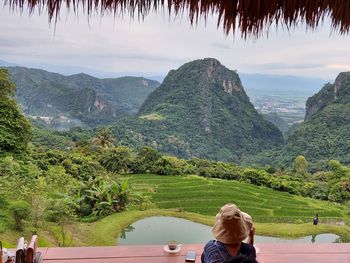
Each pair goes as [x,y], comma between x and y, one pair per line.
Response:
[82,182]
[40,185]
[323,136]
[59,186]
[15,130]
[200,110]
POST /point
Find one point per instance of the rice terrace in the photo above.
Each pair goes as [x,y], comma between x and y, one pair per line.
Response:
[203,196]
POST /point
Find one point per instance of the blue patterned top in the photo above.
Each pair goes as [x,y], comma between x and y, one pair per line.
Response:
[216,252]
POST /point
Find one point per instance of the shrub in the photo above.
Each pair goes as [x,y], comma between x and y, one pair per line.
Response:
[298,221]
[300,165]
[339,193]
[107,196]
[257,177]
[84,209]
[169,165]
[116,159]
[3,222]
[3,202]
[20,211]
[270,169]
[63,236]
[317,190]
[145,160]
[9,166]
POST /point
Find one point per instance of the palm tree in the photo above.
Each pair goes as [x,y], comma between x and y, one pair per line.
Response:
[104,138]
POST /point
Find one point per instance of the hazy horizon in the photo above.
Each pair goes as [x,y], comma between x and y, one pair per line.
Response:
[159,76]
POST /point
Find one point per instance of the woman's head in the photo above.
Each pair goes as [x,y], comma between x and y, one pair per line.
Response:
[229,227]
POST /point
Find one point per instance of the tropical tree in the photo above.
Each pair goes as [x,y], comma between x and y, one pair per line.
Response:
[339,182]
[15,129]
[20,212]
[104,138]
[338,170]
[142,200]
[301,165]
[108,196]
[61,210]
[117,159]
[145,160]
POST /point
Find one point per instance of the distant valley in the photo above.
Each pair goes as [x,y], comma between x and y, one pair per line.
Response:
[324,134]
[62,102]
[284,95]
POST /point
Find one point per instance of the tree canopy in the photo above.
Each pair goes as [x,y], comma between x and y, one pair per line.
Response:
[15,129]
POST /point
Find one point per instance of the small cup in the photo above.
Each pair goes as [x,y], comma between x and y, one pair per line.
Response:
[172,244]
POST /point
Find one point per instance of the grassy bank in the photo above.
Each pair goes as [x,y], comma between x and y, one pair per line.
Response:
[10,238]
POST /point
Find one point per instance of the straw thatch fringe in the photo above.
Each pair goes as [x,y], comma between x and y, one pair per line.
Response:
[250,17]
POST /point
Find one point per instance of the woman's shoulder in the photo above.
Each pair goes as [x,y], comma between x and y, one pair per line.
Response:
[214,252]
[213,246]
[211,243]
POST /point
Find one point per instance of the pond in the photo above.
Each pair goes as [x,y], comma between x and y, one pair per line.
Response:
[160,229]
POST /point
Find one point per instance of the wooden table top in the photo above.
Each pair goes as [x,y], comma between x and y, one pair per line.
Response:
[267,253]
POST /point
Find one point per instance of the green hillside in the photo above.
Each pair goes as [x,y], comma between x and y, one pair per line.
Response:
[129,92]
[206,196]
[279,122]
[62,102]
[200,109]
[324,135]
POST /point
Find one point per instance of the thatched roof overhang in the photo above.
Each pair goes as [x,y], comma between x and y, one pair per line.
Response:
[250,17]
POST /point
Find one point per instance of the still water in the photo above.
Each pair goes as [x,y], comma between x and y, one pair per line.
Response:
[160,229]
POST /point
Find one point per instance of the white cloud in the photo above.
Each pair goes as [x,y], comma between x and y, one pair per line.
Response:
[159,44]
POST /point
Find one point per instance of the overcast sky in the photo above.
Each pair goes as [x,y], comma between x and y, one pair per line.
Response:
[159,44]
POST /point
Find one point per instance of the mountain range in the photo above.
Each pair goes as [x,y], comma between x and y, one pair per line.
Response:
[200,109]
[80,99]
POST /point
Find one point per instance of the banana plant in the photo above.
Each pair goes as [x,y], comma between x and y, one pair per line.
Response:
[107,197]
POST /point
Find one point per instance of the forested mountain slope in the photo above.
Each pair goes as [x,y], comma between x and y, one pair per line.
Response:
[324,134]
[200,109]
[66,101]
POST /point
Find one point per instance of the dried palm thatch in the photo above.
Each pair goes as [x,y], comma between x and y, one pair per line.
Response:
[250,17]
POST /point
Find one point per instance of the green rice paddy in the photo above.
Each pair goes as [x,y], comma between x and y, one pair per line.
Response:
[205,196]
